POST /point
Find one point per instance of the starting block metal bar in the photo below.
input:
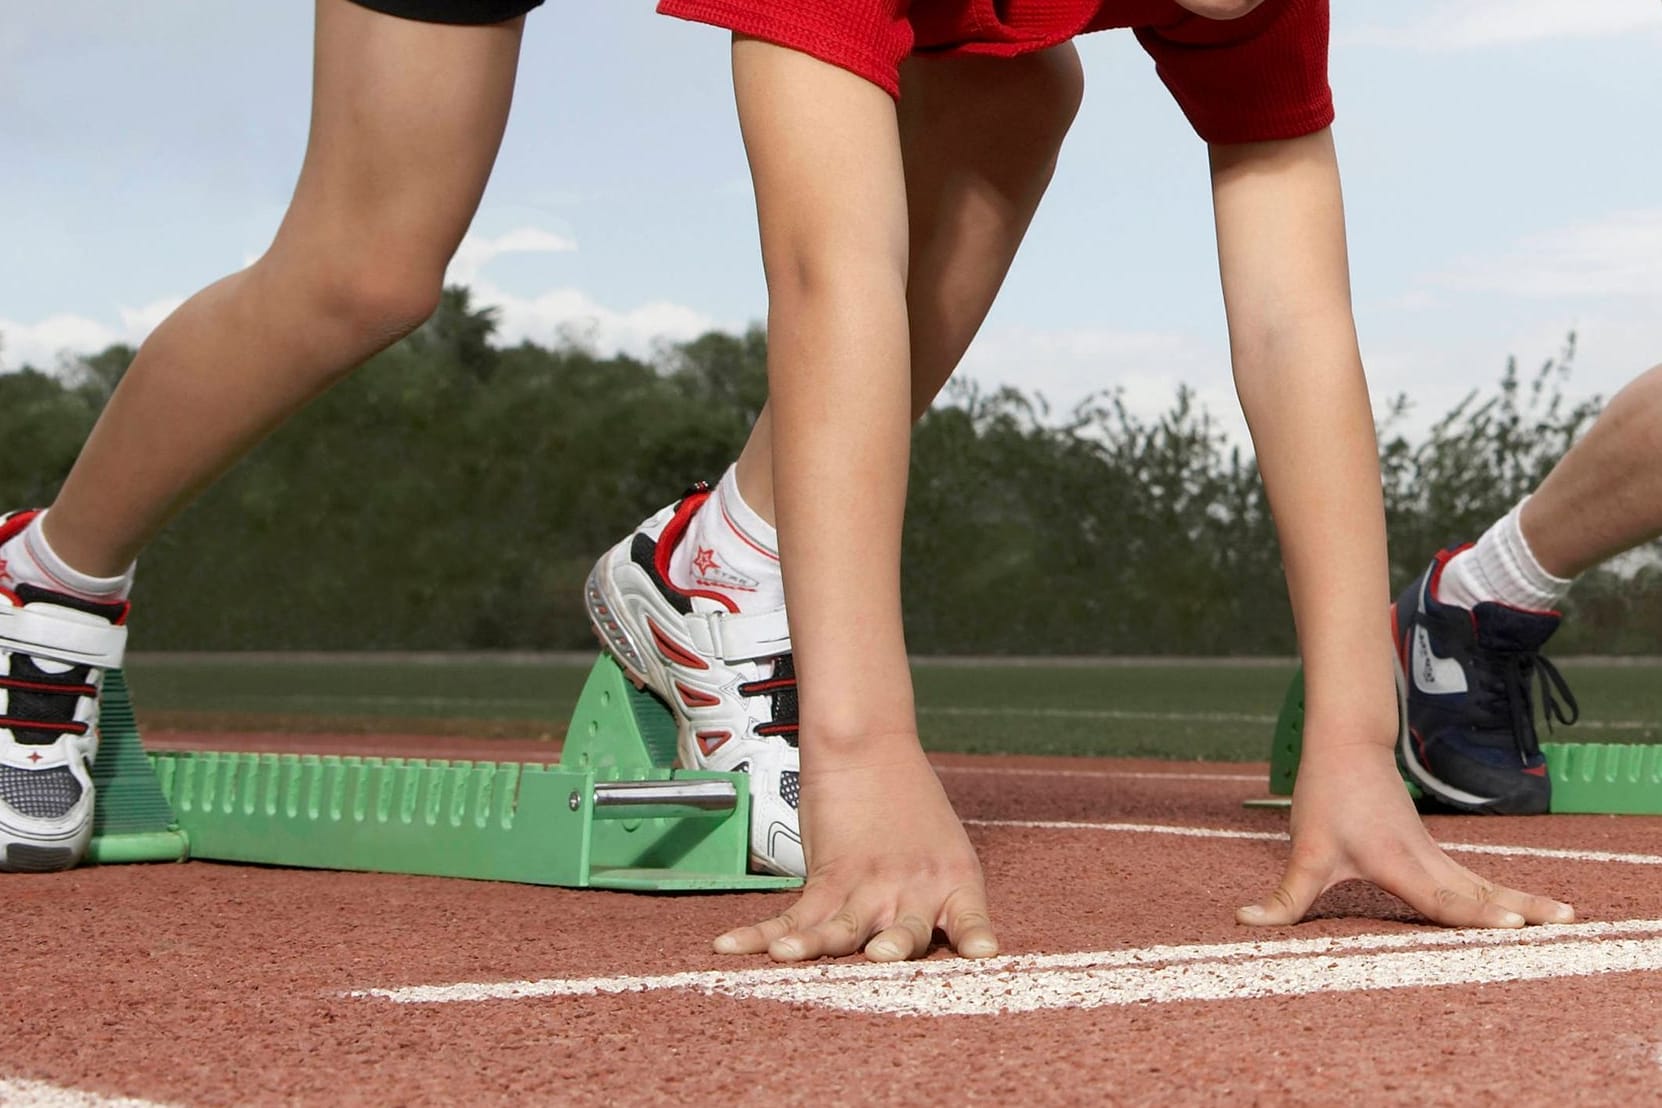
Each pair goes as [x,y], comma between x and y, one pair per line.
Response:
[683,799]
[1622,779]
[612,814]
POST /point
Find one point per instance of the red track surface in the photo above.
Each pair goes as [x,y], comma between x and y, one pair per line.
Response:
[215,984]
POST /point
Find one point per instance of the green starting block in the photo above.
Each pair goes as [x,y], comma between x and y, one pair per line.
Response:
[1587,778]
[613,814]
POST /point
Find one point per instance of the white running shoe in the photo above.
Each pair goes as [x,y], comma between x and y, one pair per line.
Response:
[726,676]
[54,650]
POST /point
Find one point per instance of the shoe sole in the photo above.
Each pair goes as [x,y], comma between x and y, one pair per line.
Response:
[609,630]
[22,858]
[24,851]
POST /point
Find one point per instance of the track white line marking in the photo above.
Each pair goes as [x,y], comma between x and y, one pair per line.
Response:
[1086,989]
[1213,971]
[1126,775]
[18,1093]
[1500,849]
[992,710]
[1094,713]
[1129,828]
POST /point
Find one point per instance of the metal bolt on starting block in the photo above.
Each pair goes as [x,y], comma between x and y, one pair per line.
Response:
[613,813]
[1619,779]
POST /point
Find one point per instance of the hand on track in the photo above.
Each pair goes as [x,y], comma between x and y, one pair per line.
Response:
[1353,820]
[888,864]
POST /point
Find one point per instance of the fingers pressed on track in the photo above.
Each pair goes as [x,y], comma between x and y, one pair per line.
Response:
[1532,908]
[1454,907]
[1287,904]
[843,932]
[756,938]
[907,937]
[967,925]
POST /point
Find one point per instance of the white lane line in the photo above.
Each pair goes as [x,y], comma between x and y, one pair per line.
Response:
[1093,713]
[335,699]
[1086,989]
[1499,849]
[1190,717]
[1129,828]
[1550,852]
[1095,978]
[18,1093]
[1118,775]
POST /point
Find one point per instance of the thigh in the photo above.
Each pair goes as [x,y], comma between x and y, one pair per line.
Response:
[453,11]
[407,117]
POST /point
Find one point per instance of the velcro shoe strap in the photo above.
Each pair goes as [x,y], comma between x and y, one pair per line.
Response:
[39,631]
[736,637]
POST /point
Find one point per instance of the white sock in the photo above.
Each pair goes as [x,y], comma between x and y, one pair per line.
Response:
[30,559]
[731,550]
[1501,568]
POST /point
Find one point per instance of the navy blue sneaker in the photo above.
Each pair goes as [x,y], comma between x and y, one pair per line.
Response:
[1466,678]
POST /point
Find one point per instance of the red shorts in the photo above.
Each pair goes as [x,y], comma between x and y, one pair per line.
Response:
[1263,76]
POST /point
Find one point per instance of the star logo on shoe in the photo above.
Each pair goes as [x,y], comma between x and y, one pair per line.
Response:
[705,561]
[34,756]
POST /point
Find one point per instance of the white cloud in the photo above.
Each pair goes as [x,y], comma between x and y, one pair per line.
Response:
[548,317]
[573,315]
[1619,256]
[1611,350]
[1478,24]
[478,251]
[1067,365]
[43,343]
[136,323]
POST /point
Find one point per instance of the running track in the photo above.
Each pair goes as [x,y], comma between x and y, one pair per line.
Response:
[1126,982]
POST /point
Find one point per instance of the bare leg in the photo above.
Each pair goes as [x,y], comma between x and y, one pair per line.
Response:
[1605,496]
[406,121]
[979,141]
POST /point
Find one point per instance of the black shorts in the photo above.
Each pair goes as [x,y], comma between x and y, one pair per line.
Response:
[452,11]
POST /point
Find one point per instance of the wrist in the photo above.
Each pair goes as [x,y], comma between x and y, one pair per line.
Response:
[827,751]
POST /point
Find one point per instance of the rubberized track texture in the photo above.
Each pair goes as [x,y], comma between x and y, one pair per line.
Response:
[1125,980]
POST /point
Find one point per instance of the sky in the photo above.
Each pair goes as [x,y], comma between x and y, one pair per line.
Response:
[1502,163]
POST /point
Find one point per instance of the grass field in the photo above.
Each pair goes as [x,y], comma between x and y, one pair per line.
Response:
[1178,710]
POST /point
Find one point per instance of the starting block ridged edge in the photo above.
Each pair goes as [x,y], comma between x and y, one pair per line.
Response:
[131,818]
[613,814]
[1616,779]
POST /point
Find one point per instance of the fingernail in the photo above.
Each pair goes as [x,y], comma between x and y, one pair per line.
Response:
[1564,914]
[886,952]
[979,948]
[727,944]
[1511,919]
[1249,911]
[786,950]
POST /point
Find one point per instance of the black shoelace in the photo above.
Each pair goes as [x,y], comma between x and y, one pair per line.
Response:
[781,688]
[41,705]
[1509,680]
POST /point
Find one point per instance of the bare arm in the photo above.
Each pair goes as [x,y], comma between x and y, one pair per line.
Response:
[888,861]
[1281,253]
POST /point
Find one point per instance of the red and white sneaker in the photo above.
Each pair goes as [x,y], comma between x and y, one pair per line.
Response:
[727,676]
[54,649]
